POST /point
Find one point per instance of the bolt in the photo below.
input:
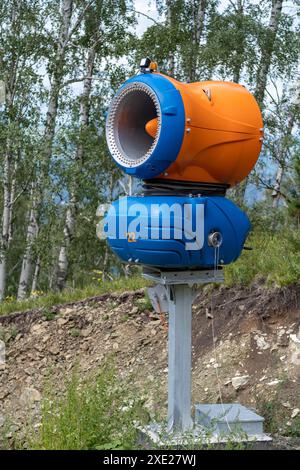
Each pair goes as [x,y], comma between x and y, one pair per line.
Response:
[188,130]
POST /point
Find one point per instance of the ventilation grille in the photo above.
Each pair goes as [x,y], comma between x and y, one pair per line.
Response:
[126,99]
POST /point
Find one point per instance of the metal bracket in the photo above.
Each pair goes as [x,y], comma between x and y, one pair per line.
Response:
[183,277]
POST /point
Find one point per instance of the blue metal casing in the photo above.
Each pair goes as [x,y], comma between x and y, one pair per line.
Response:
[151,241]
[171,130]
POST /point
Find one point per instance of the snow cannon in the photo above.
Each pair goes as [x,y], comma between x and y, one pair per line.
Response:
[206,133]
[176,232]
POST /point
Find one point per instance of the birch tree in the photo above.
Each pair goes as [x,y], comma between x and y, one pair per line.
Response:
[69,224]
[281,150]
[66,29]
[21,42]
[100,30]
[267,50]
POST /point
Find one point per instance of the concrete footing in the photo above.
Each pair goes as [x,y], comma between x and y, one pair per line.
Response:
[217,425]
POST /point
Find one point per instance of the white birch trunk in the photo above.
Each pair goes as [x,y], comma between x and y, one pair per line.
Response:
[169,21]
[56,82]
[6,222]
[199,30]
[240,45]
[32,230]
[281,156]
[63,262]
[9,181]
[70,220]
[266,53]
[262,74]
[35,276]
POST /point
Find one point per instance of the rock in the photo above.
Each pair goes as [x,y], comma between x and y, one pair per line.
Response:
[208,314]
[295,350]
[4,394]
[54,349]
[155,322]
[286,404]
[2,420]
[62,321]
[261,343]
[273,382]
[66,311]
[239,381]
[115,346]
[37,329]
[295,413]
[2,352]
[29,396]
[46,338]
[86,332]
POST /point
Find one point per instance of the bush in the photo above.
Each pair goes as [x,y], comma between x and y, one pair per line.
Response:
[276,257]
[95,413]
[72,295]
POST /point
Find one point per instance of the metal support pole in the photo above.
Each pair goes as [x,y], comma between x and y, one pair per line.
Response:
[180,357]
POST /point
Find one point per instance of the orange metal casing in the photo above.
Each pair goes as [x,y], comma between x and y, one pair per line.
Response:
[223,133]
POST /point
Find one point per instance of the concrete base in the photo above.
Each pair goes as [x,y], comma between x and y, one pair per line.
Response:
[156,435]
[215,424]
[229,419]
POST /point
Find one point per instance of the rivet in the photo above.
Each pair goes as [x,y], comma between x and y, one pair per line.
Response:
[188,130]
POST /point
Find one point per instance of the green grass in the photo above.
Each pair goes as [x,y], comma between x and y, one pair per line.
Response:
[95,413]
[276,257]
[72,295]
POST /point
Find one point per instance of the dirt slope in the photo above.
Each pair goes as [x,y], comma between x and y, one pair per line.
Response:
[253,356]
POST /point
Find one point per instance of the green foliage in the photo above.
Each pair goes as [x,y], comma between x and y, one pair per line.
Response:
[269,410]
[75,332]
[294,429]
[294,193]
[8,333]
[95,413]
[143,304]
[48,315]
[72,295]
[190,40]
[275,256]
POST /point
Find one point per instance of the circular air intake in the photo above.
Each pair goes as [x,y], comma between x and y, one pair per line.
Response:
[133,124]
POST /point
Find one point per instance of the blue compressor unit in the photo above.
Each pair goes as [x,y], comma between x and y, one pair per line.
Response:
[179,232]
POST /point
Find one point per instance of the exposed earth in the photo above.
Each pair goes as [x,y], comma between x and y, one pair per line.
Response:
[252,358]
